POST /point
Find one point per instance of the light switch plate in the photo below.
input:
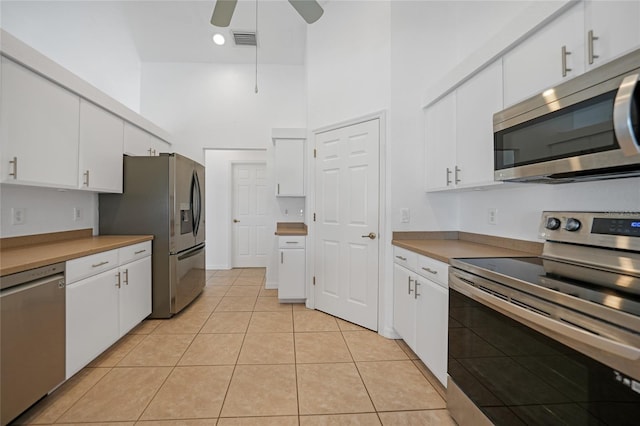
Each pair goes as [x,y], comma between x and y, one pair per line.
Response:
[405,215]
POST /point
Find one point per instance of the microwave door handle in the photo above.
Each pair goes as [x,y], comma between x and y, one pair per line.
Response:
[622,124]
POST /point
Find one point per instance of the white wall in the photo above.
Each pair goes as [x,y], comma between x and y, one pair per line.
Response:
[215,106]
[100,50]
[47,210]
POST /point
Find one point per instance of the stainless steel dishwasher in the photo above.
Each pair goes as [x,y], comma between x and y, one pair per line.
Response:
[32,337]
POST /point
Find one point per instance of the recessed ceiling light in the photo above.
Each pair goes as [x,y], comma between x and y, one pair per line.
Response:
[218,39]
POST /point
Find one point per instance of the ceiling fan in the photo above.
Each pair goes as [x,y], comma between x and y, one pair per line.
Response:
[310,11]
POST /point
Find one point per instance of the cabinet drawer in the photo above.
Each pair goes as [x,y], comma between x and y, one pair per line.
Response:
[87,266]
[406,258]
[291,242]
[434,270]
[134,252]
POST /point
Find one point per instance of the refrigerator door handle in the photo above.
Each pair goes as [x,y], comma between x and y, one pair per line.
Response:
[196,200]
[192,252]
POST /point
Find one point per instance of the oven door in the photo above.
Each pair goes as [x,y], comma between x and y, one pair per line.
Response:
[516,375]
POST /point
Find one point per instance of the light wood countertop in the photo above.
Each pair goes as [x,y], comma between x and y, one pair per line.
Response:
[291,228]
[445,246]
[21,257]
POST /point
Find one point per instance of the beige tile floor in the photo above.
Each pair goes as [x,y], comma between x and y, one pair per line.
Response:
[238,357]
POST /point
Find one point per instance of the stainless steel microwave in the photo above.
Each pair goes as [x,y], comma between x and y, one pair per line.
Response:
[586,128]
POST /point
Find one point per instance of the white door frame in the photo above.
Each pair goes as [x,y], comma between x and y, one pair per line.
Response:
[230,227]
[385,273]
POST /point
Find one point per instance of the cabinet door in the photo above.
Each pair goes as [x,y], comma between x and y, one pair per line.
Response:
[536,64]
[39,130]
[101,148]
[440,143]
[291,272]
[615,24]
[477,100]
[431,327]
[135,293]
[137,142]
[289,165]
[92,318]
[404,318]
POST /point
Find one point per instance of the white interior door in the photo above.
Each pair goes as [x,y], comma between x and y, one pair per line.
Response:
[250,215]
[347,212]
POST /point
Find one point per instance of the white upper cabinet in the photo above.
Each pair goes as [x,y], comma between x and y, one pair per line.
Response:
[138,142]
[39,130]
[101,148]
[477,100]
[289,167]
[459,133]
[551,55]
[611,29]
[440,146]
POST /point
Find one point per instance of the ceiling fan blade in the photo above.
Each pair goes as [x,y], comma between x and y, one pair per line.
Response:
[310,10]
[222,12]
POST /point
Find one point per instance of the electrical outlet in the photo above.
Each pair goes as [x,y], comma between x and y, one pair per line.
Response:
[405,215]
[77,214]
[492,217]
[18,215]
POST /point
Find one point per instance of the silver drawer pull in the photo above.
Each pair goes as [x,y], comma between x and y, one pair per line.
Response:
[139,251]
[404,259]
[292,242]
[429,270]
[99,264]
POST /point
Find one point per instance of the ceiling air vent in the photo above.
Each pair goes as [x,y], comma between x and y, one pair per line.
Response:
[244,38]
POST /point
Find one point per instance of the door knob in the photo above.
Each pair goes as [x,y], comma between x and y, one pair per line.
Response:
[236,221]
[372,236]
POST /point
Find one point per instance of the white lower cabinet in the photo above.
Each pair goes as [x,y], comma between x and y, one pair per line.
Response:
[107,295]
[420,308]
[291,268]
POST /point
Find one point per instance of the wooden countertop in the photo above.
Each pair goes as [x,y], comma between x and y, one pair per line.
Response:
[445,246]
[291,228]
[16,257]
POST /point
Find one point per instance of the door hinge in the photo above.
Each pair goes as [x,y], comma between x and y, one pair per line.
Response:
[314,280]
[314,217]
[315,153]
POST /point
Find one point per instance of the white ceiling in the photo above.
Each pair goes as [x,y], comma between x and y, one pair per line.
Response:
[178,30]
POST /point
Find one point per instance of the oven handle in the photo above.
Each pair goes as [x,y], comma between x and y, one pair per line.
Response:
[622,125]
[457,282]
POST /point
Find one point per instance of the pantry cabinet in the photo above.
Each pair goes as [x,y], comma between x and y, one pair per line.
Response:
[107,294]
[459,133]
[420,307]
[39,133]
[101,148]
[291,268]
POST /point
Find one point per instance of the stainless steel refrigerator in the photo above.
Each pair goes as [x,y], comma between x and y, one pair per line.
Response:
[163,196]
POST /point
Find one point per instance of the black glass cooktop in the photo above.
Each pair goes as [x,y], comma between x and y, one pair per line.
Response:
[537,271]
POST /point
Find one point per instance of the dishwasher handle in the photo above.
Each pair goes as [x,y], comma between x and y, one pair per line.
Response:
[33,284]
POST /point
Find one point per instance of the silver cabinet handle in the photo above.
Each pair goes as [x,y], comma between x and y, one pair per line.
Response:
[409,290]
[281,257]
[150,152]
[14,163]
[448,176]
[155,152]
[404,259]
[590,39]
[415,293]
[370,235]
[86,178]
[139,251]
[457,171]
[565,53]
[95,265]
[278,189]
[292,242]
[126,276]
[622,125]
[429,270]
[118,283]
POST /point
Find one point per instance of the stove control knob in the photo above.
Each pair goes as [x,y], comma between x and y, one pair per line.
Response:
[572,225]
[552,223]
